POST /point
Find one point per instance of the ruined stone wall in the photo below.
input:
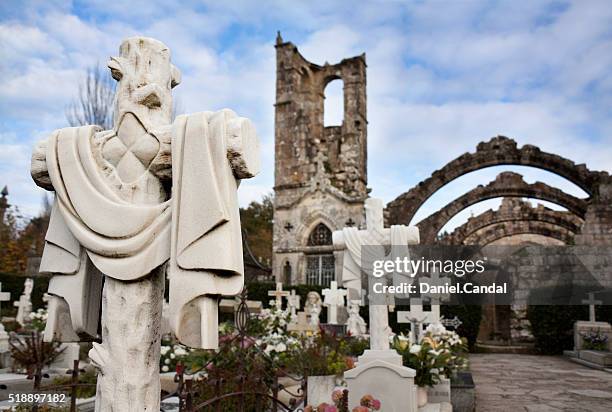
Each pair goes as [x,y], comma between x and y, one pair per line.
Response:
[320,172]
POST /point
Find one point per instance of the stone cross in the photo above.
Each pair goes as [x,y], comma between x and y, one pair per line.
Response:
[278,294]
[293,303]
[591,301]
[151,195]
[435,280]
[334,298]
[350,241]
[417,317]
[452,323]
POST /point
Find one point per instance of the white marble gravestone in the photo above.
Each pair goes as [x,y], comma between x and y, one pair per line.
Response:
[147,197]
[333,299]
[379,370]
[24,304]
[293,303]
[417,318]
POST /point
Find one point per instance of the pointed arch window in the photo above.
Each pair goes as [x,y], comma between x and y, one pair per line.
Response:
[320,267]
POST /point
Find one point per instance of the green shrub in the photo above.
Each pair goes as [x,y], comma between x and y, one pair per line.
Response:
[552,326]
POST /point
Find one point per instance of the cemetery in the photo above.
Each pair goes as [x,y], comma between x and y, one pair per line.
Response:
[146,284]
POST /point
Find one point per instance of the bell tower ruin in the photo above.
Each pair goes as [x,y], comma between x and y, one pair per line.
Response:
[320,172]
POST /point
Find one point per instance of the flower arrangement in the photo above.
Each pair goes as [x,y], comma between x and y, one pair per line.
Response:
[38,319]
[367,404]
[340,403]
[273,337]
[439,354]
[171,354]
[595,340]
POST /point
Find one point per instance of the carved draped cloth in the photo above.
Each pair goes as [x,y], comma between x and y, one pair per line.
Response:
[93,231]
[366,246]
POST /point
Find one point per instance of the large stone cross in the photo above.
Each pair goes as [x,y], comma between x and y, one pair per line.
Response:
[334,298]
[357,258]
[152,195]
[591,301]
[278,294]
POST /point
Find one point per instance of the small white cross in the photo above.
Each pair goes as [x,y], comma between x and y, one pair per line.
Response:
[4,296]
[334,298]
[278,294]
[293,302]
[417,317]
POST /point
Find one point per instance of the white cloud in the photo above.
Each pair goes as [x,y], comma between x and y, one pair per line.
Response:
[441,76]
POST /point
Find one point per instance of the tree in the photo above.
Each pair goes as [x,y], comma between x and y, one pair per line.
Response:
[256,220]
[95,102]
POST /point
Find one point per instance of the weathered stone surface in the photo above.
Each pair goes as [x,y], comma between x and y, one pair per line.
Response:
[499,150]
[515,217]
[507,184]
[320,172]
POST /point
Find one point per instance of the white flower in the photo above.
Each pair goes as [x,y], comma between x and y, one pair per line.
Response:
[165,368]
[414,349]
[167,361]
[281,347]
[172,356]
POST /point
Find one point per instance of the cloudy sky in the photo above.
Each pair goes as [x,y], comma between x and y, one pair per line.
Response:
[442,76]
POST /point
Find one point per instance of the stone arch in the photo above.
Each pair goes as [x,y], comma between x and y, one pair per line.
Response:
[491,233]
[506,184]
[329,94]
[515,212]
[307,226]
[497,151]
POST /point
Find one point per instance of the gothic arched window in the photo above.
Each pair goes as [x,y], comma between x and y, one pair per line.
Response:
[320,268]
[320,236]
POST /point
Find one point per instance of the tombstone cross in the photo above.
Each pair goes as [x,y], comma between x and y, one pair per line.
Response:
[278,294]
[591,301]
[435,281]
[417,317]
[334,298]
[451,323]
[293,303]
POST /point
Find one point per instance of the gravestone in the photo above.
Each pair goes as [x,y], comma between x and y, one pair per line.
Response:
[581,326]
[24,304]
[4,337]
[334,299]
[379,370]
[278,294]
[293,303]
[417,318]
[301,324]
[148,196]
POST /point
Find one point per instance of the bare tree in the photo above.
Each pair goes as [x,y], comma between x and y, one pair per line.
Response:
[95,102]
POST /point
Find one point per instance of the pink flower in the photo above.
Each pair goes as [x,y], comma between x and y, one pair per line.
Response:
[375,404]
[360,409]
[308,409]
[331,408]
[337,395]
